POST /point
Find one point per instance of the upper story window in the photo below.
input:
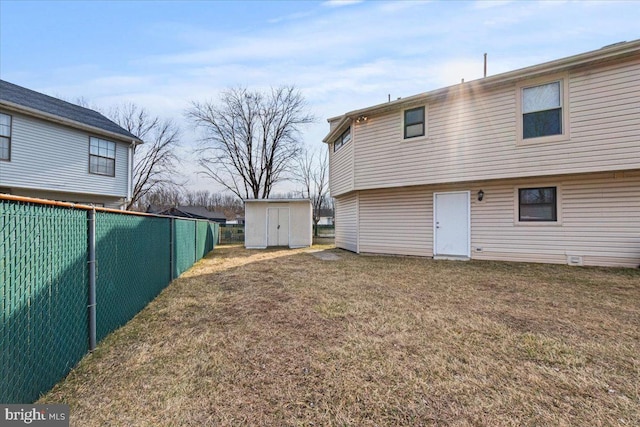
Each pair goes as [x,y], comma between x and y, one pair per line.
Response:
[414,122]
[537,204]
[5,137]
[102,157]
[541,110]
[342,139]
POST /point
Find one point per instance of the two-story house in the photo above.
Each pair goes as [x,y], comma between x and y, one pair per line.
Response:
[540,164]
[56,150]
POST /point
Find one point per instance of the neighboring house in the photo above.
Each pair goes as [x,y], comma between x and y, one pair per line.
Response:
[239,220]
[196,212]
[540,164]
[326,217]
[325,220]
[56,150]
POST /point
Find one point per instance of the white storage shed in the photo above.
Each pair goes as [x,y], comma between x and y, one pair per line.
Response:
[278,222]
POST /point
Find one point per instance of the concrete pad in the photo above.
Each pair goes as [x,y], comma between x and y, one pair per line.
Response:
[326,256]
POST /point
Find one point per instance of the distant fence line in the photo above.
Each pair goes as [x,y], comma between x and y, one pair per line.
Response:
[48,263]
[234,233]
[231,233]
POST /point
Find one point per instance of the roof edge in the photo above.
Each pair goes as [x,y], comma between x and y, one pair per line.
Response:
[277,200]
[609,52]
[72,123]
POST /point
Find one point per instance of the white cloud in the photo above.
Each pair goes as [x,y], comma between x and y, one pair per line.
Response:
[490,4]
[341,3]
[345,58]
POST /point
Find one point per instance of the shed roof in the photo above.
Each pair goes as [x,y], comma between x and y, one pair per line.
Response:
[30,101]
[276,200]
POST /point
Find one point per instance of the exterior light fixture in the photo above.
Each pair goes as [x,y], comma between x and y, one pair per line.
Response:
[480,195]
[361,119]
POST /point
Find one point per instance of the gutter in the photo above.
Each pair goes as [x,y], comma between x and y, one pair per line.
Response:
[72,123]
[607,53]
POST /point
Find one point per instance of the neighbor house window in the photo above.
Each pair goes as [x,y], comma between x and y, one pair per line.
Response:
[542,110]
[538,204]
[5,137]
[102,157]
[414,122]
[342,139]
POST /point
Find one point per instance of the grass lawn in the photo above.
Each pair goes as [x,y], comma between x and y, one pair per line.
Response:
[282,337]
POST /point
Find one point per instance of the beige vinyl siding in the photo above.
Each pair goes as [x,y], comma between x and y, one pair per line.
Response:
[606,106]
[341,168]
[396,221]
[346,225]
[384,158]
[598,220]
[471,135]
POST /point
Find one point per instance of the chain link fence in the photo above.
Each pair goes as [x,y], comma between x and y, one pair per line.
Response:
[232,233]
[44,282]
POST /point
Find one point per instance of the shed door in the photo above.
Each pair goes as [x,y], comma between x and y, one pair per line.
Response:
[277,226]
[451,224]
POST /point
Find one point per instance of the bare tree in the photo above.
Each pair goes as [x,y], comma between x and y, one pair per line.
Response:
[155,161]
[161,197]
[250,138]
[312,173]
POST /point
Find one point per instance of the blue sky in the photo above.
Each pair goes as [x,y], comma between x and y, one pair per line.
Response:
[343,55]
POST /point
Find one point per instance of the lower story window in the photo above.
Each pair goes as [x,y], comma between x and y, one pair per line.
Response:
[538,204]
[102,157]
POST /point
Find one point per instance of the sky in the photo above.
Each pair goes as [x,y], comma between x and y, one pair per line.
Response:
[342,55]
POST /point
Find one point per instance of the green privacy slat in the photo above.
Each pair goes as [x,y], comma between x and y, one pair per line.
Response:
[184,245]
[44,283]
[132,267]
[43,297]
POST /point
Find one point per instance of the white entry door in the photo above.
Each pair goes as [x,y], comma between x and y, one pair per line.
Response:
[277,226]
[451,222]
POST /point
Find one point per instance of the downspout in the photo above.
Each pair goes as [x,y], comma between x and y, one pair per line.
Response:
[130,172]
[92,278]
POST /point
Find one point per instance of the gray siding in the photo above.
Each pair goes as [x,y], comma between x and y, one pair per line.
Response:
[52,157]
[84,199]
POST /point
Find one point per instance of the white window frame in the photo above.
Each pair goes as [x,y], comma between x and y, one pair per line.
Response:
[95,138]
[563,79]
[8,137]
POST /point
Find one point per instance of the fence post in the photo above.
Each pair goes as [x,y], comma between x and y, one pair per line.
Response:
[172,264]
[195,241]
[92,278]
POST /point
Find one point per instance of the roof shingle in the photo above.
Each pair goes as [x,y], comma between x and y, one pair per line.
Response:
[15,94]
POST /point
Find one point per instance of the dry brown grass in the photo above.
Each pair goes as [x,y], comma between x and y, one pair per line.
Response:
[280,337]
